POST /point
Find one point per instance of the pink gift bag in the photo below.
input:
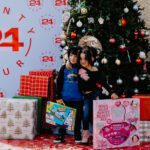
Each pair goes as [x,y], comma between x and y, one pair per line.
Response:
[116,123]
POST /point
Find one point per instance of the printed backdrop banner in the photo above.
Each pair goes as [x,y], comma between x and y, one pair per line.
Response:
[29,39]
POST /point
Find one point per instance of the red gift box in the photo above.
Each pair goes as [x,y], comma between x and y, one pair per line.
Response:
[34,86]
[25,85]
[144,106]
[48,73]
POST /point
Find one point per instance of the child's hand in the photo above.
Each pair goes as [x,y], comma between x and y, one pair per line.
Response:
[114,96]
[68,65]
[60,101]
[83,74]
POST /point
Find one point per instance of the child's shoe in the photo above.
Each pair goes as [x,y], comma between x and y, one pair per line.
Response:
[59,139]
[77,139]
[85,137]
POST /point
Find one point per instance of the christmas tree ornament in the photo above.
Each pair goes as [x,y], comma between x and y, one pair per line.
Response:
[119,23]
[104,60]
[136,91]
[73,35]
[68,27]
[136,78]
[65,16]
[96,63]
[143,77]
[90,20]
[66,48]
[63,43]
[142,33]
[63,36]
[84,11]
[83,30]
[122,48]
[146,33]
[126,10]
[142,55]
[135,7]
[123,95]
[79,24]
[119,81]
[112,40]
[138,60]
[117,62]
[123,22]
[136,33]
[101,20]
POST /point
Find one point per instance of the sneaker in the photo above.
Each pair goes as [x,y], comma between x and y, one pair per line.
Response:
[78,139]
[59,139]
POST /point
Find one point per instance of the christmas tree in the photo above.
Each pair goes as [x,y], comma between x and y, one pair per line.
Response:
[120,28]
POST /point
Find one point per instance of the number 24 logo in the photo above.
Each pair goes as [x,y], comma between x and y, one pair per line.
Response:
[15,44]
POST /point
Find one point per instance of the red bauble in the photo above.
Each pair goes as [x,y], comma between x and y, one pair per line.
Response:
[142,33]
[138,60]
[122,48]
[135,33]
[73,35]
[135,37]
[99,85]
[123,95]
[123,22]
[112,40]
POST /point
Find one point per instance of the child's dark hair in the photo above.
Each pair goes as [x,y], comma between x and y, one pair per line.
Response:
[74,50]
[90,54]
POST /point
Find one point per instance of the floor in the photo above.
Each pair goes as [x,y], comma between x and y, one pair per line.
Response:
[44,142]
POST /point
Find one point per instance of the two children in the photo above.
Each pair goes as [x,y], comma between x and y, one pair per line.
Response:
[76,84]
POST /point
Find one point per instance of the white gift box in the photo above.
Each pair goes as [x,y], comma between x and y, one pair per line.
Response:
[18,118]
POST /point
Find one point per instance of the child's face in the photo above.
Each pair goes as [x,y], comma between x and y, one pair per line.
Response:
[83,61]
[73,59]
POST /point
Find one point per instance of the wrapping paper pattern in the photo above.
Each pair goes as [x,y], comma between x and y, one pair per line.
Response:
[31,85]
[18,118]
[145,131]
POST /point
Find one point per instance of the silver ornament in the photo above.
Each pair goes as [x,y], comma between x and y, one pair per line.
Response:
[142,55]
[136,78]
[135,7]
[90,20]
[63,43]
[119,81]
[136,91]
[126,10]
[65,17]
[101,20]
[79,24]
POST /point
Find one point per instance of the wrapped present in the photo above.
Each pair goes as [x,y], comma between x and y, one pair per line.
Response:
[48,73]
[39,110]
[144,106]
[116,123]
[145,131]
[18,118]
[40,86]
[31,85]
[46,127]
[25,85]
[60,115]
